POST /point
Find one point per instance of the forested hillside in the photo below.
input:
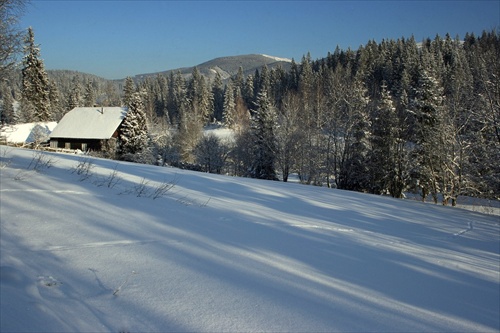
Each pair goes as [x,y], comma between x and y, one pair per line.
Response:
[390,117]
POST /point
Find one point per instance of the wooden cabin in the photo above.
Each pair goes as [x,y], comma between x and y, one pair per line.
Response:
[87,128]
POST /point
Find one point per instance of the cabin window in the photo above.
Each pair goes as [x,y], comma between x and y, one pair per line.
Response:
[67,145]
[84,147]
[53,144]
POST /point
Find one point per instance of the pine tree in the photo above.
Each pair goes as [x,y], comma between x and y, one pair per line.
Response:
[428,110]
[55,102]
[239,83]
[112,98]
[89,95]
[355,175]
[200,97]
[35,82]
[128,91]
[228,115]
[218,97]
[7,115]
[133,137]
[384,169]
[74,99]
[263,124]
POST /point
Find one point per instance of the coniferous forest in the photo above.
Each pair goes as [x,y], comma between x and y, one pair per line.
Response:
[390,117]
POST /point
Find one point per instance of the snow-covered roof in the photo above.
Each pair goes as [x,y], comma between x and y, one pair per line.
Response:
[29,132]
[89,123]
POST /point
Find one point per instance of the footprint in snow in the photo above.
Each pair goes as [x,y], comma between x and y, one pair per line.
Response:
[48,281]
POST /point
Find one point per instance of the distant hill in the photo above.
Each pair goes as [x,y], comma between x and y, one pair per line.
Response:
[228,66]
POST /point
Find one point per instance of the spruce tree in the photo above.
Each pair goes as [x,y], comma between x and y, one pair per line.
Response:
[229,110]
[74,99]
[35,81]
[200,97]
[356,174]
[55,102]
[218,97]
[7,115]
[384,171]
[263,124]
[428,110]
[133,138]
[128,91]
[89,95]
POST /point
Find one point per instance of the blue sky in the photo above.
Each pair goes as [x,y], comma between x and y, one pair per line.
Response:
[119,38]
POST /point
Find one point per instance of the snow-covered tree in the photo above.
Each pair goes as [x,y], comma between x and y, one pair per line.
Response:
[428,110]
[7,115]
[385,175]
[35,81]
[229,106]
[263,126]
[132,142]
[355,174]
[56,108]
[200,97]
[128,91]
[74,97]
[89,94]
[218,97]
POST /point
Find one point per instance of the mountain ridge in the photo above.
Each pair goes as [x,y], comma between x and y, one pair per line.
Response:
[226,66]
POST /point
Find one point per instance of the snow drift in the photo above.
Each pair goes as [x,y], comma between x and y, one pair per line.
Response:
[86,246]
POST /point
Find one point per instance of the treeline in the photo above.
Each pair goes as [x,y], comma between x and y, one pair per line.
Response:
[387,118]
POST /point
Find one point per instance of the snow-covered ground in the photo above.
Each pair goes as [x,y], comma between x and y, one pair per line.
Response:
[81,252]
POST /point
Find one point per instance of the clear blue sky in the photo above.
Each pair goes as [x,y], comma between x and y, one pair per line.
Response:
[120,38]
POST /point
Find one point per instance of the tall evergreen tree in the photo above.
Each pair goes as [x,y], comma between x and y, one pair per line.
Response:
[133,138]
[355,175]
[35,85]
[218,97]
[89,95]
[263,126]
[128,91]
[239,83]
[7,115]
[200,96]
[385,172]
[428,110]
[74,97]
[229,110]
[56,107]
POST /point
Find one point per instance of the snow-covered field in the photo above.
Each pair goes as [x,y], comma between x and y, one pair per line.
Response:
[82,252]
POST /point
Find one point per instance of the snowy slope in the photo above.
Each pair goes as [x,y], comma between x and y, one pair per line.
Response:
[277,58]
[216,253]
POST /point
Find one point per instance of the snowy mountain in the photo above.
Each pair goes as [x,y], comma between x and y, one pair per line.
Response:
[95,245]
[229,66]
